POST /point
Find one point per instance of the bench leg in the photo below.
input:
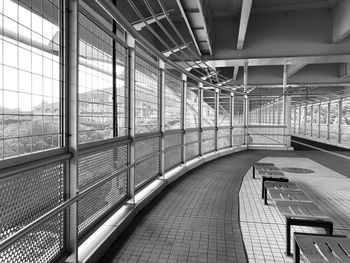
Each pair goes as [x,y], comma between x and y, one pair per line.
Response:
[265,195]
[253,172]
[329,229]
[296,252]
[262,187]
[288,237]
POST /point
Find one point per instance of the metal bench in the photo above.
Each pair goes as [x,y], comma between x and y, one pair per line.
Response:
[262,166]
[303,214]
[322,248]
[276,176]
[286,195]
[278,186]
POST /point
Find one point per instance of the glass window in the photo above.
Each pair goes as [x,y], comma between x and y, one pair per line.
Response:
[173,99]
[99,110]
[192,106]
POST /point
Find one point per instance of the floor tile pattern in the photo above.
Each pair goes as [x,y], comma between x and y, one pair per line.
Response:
[194,220]
[262,226]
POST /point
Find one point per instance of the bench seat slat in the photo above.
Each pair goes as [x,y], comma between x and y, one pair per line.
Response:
[326,244]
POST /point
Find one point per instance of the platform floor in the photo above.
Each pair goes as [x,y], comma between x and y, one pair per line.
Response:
[263,227]
[197,218]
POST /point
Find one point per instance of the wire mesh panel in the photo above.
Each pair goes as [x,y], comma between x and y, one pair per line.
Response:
[146,96]
[224,118]
[334,121]
[345,122]
[24,198]
[148,168]
[173,156]
[238,136]
[238,110]
[173,102]
[100,106]
[308,120]
[266,111]
[266,135]
[192,146]
[208,141]
[192,107]
[93,167]
[30,83]
[208,108]
[324,120]
[224,138]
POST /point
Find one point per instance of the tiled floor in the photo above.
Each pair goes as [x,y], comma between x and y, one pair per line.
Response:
[197,218]
[263,228]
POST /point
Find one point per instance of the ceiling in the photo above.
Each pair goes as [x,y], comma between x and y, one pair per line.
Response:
[307,41]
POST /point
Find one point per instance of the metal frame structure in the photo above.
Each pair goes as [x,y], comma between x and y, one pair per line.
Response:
[129,162]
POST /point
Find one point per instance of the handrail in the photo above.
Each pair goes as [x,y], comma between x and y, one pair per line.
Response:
[25,230]
[19,169]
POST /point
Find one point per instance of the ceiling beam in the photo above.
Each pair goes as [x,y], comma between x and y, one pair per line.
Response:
[167,53]
[345,70]
[243,24]
[206,31]
[140,24]
[269,61]
[293,69]
[341,21]
[235,72]
[183,13]
[289,7]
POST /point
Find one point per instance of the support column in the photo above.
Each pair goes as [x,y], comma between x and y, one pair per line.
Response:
[312,119]
[246,104]
[340,106]
[184,114]
[232,103]
[217,109]
[70,74]
[200,117]
[299,120]
[161,65]
[328,118]
[132,118]
[287,101]
[319,120]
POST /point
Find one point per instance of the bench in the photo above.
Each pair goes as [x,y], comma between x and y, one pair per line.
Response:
[262,166]
[286,195]
[271,185]
[303,214]
[321,248]
[276,176]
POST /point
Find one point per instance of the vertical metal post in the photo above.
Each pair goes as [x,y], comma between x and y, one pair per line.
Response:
[184,115]
[319,121]
[305,117]
[287,104]
[200,117]
[232,103]
[299,117]
[114,81]
[217,109]
[132,118]
[71,55]
[161,65]
[246,105]
[311,119]
[340,106]
[328,118]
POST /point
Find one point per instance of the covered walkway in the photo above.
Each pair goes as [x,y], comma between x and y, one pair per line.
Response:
[196,219]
